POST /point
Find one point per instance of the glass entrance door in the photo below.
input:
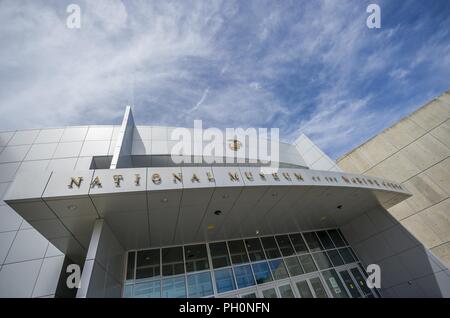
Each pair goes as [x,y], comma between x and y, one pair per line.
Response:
[350,284]
[270,292]
[311,287]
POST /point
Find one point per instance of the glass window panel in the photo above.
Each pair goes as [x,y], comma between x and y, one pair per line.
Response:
[325,240]
[294,266]
[254,249]
[278,269]
[269,293]
[318,288]
[285,245]
[262,272]
[346,255]
[237,252]
[338,241]
[172,261]
[303,289]
[286,291]
[130,265]
[334,284]
[322,260]
[313,241]
[199,285]
[128,291]
[196,257]
[174,287]
[148,264]
[343,237]
[361,281]
[251,295]
[244,276]
[307,263]
[335,258]
[270,247]
[299,243]
[148,290]
[350,284]
[219,254]
[224,280]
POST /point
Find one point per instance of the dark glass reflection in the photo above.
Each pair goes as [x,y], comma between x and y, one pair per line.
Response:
[172,261]
[338,241]
[299,243]
[219,254]
[254,249]
[307,263]
[130,265]
[335,258]
[325,240]
[313,241]
[148,264]
[293,266]
[285,245]
[196,257]
[262,272]
[278,269]
[322,260]
[270,247]
[346,255]
[237,252]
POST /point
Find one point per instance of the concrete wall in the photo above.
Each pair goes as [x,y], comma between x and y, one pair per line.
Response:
[408,269]
[415,152]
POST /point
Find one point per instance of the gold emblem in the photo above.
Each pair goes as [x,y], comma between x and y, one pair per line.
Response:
[235,144]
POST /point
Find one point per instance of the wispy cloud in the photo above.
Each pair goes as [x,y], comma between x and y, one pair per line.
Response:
[302,66]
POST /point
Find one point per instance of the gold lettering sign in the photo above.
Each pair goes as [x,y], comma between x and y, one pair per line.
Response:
[75,181]
[249,176]
[287,176]
[235,144]
[195,178]
[117,178]
[298,176]
[275,176]
[263,176]
[233,176]
[156,178]
[210,176]
[96,182]
[177,177]
[137,179]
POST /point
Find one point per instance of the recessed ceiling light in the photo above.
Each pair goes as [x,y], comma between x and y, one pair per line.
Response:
[257,232]
[225,196]
[274,194]
[340,206]
[72,207]
[165,200]
[218,212]
[211,226]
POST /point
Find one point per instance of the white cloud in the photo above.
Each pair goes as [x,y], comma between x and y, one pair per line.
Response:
[300,66]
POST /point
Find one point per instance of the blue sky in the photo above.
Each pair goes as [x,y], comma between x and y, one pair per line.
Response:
[308,67]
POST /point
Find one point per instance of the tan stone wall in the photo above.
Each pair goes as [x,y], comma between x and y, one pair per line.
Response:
[416,153]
